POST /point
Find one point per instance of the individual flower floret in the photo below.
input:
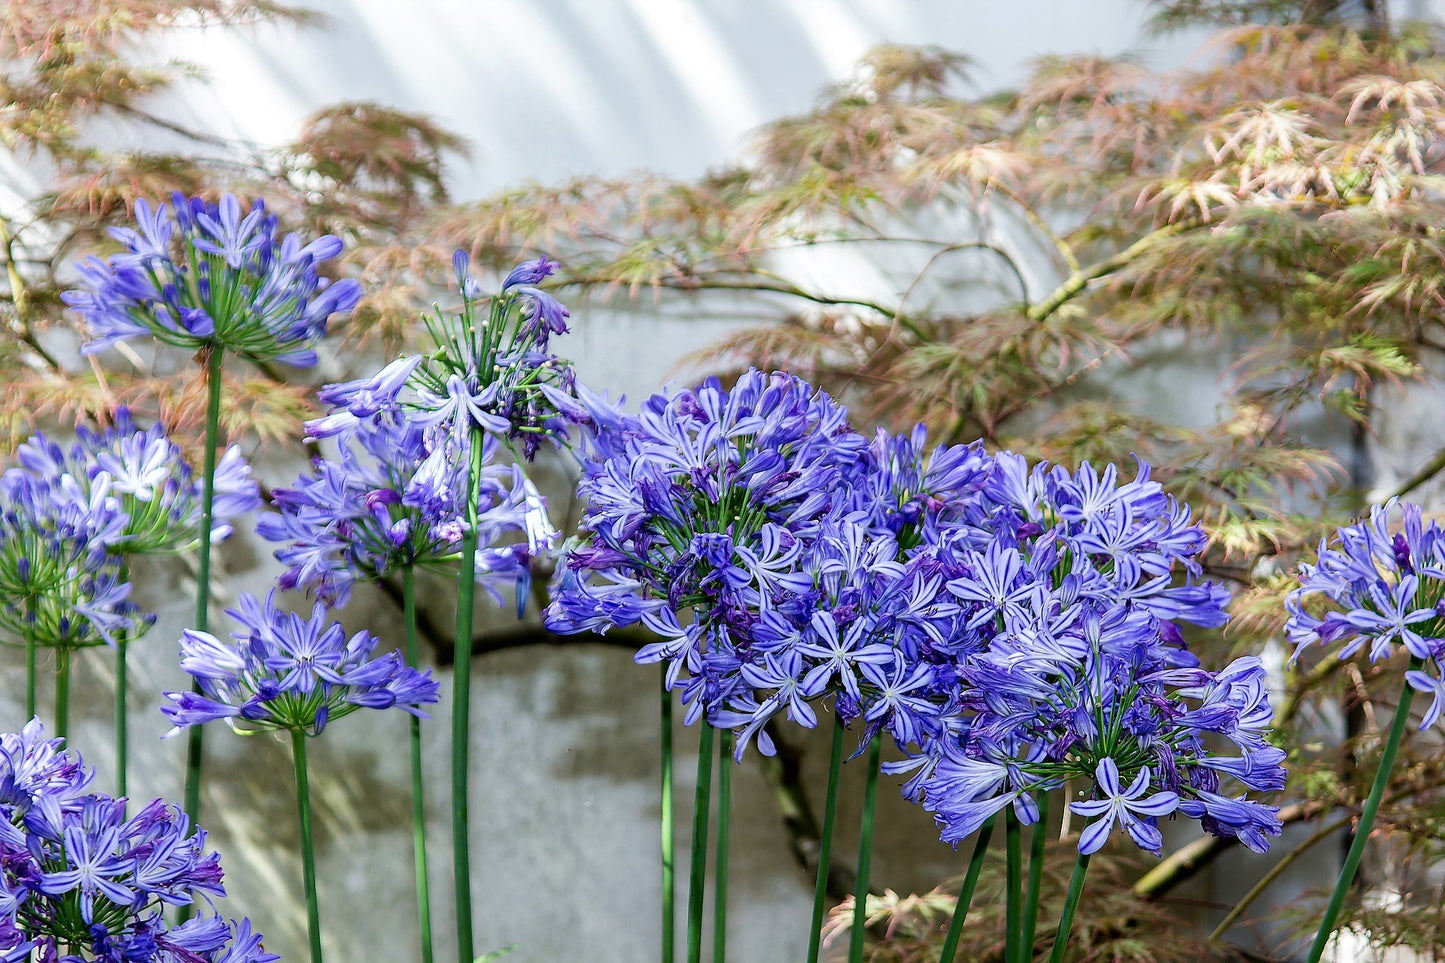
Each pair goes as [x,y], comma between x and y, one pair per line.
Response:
[203,274]
[80,880]
[282,671]
[1124,806]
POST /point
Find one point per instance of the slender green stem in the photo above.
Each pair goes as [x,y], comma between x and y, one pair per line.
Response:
[1013,887]
[865,854]
[1071,903]
[62,690]
[965,892]
[461,707]
[203,574]
[29,676]
[122,727]
[720,871]
[825,841]
[308,849]
[418,800]
[1367,819]
[1036,877]
[669,889]
[697,870]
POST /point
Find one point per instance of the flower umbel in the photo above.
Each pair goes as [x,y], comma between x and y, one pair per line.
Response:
[282,671]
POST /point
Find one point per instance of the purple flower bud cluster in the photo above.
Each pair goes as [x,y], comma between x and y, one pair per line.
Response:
[60,581]
[81,881]
[1381,587]
[1012,628]
[282,671]
[196,273]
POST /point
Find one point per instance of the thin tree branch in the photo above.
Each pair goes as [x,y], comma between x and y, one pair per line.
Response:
[1427,471]
[1078,282]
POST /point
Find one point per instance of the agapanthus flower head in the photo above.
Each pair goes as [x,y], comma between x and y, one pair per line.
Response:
[280,670]
[1379,583]
[148,476]
[82,880]
[203,274]
[396,497]
[60,581]
[1067,665]
[492,370]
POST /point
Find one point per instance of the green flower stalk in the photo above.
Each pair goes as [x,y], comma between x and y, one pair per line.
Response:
[859,929]
[697,867]
[825,842]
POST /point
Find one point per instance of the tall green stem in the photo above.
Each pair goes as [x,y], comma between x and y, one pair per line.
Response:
[1013,887]
[62,690]
[122,728]
[669,891]
[418,800]
[461,708]
[865,854]
[965,892]
[1367,819]
[203,574]
[1071,903]
[1036,877]
[29,676]
[308,849]
[697,870]
[825,842]
[720,878]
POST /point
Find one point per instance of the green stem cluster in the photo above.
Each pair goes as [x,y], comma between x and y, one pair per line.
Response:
[720,877]
[825,842]
[697,869]
[965,892]
[859,929]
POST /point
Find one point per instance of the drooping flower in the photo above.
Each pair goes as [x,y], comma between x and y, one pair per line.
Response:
[282,671]
[201,274]
[81,880]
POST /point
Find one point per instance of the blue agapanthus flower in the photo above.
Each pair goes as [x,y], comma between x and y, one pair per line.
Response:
[196,273]
[491,372]
[60,581]
[699,510]
[80,880]
[1382,585]
[1070,666]
[280,670]
[385,503]
[148,475]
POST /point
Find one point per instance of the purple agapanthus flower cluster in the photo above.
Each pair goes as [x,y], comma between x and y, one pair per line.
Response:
[280,670]
[60,573]
[1071,667]
[196,273]
[147,473]
[392,499]
[82,881]
[1381,587]
[770,547]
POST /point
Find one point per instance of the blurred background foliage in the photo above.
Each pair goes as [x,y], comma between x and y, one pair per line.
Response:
[1275,208]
